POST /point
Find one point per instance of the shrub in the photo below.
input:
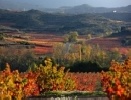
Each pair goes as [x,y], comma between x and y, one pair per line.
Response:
[53,78]
[117,80]
[17,85]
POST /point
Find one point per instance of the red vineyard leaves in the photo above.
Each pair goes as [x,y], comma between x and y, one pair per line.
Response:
[86,81]
[117,80]
[17,84]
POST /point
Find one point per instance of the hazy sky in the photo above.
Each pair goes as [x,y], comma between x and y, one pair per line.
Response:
[59,3]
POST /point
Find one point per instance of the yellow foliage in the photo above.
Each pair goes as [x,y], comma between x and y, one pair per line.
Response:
[53,78]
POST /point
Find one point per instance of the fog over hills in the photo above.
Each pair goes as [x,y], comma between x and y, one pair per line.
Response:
[8,4]
[79,9]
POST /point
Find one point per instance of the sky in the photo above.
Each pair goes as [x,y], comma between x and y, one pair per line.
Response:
[60,3]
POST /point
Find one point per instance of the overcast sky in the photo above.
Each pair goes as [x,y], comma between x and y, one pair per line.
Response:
[59,3]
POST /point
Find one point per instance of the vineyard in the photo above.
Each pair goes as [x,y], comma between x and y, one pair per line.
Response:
[48,77]
[44,43]
[72,53]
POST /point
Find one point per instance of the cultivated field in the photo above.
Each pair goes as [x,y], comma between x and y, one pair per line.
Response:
[110,44]
[43,43]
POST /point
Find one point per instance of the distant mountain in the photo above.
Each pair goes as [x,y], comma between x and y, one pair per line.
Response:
[34,20]
[80,9]
[83,9]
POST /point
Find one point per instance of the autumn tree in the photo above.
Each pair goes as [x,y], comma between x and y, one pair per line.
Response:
[59,50]
[1,36]
[89,36]
[69,53]
[71,37]
[66,38]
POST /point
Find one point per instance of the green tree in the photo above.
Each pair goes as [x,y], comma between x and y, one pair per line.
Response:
[66,38]
[1,36]
[73,36]
[89,36]
[59,50]
[86,52]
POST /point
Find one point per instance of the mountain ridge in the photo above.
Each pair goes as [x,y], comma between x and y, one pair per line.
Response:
[83,9]
[79,9]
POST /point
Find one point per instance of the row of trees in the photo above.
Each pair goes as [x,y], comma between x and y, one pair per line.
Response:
[76,57]
[76,53]
[72,53]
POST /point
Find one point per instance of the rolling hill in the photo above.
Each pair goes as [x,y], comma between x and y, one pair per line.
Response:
[34,20]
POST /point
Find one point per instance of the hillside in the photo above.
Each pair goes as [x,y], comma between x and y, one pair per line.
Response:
[118,16]
[34,20]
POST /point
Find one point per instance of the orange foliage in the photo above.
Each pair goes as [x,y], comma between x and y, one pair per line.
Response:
[117,80]
[17,85]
